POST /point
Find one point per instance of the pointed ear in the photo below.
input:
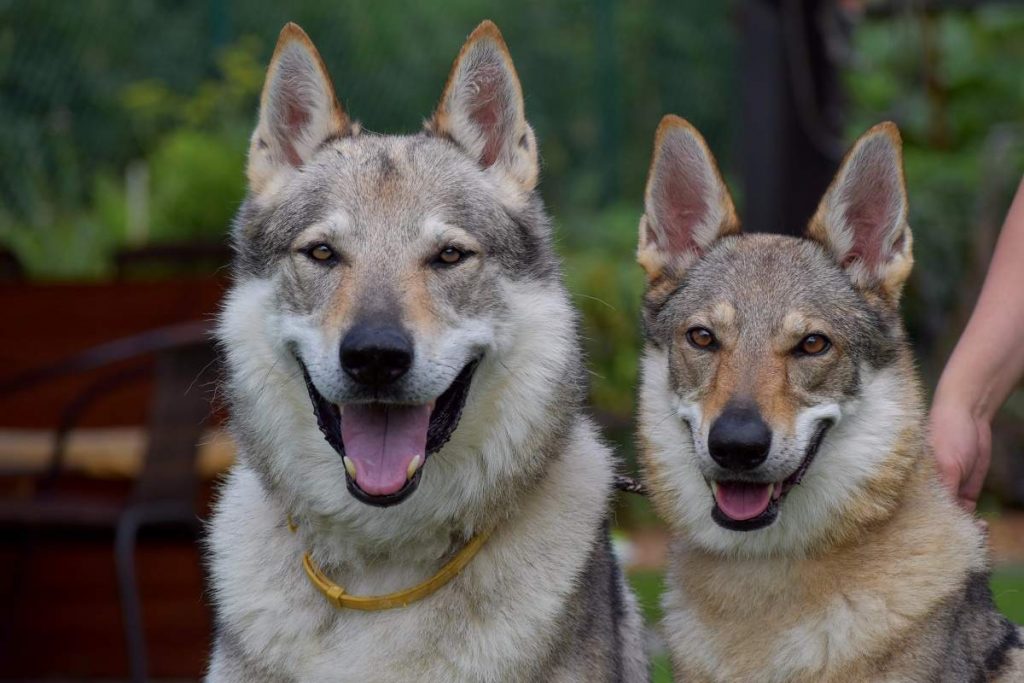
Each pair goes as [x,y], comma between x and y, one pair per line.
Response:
[482,110]
[862,219]
[298,109]
[687,205]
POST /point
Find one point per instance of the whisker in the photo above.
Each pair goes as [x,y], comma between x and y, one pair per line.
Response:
[600,301]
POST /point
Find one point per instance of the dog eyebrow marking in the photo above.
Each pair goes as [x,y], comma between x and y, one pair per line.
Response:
[723,314]
[439,230]
[797,324]
[336,223]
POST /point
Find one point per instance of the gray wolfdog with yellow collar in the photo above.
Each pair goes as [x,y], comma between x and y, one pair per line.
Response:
[406,389]
[781,425]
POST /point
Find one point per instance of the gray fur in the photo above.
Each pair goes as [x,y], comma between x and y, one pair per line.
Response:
[544,600]
[969,640]
[766,276]
[763,277]
[389,183]
[860,567]
[607,652]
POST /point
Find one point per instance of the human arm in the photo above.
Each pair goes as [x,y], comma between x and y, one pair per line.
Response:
[984,367]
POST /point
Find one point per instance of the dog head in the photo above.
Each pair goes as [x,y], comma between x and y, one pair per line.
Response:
[390,275]
[772,361]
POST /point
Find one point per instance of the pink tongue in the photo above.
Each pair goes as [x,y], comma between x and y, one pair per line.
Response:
[382,440]
[741,501]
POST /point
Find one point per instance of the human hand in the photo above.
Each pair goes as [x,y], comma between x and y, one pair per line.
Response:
[962,444]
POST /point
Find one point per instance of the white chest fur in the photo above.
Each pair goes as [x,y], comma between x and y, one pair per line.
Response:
[497,620]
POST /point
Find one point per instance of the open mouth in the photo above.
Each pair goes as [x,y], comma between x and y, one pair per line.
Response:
[746,506]
[385,445]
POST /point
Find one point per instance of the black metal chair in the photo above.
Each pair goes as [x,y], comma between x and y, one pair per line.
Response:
[178,358]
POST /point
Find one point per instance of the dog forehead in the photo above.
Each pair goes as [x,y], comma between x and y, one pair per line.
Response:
[386,187]
[394,182]
[764,279]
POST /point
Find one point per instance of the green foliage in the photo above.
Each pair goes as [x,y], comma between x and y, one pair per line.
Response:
[66,245]
[193,146]
[607,285]
[649,585]
[225,105]
[197,145]
[952,83]
[197,184]
[1008,590]
[92,88]
[62,68]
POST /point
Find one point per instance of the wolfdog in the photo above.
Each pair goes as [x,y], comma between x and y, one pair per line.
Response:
[406,389]
[781,427]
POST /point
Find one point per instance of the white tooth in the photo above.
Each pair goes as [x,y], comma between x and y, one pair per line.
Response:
[714,489]
[776,490]
[414,465]
[350,466]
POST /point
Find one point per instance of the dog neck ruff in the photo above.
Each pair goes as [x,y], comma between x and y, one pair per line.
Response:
[337,596]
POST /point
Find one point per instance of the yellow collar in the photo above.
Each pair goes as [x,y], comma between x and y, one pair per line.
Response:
[337,596]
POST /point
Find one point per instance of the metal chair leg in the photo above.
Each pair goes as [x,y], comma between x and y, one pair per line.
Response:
[131,608]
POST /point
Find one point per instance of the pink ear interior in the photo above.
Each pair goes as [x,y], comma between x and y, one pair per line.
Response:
[295,118]
[679,193]
[294,97]
[873,201]
[490,92]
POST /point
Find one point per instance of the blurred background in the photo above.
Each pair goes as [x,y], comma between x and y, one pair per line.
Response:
[123,129]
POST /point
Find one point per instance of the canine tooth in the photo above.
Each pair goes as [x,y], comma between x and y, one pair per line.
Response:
[350,466]
[714,489]
[414,465]
[776,490]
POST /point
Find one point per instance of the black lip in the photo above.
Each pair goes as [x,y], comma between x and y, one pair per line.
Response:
[761,521]
[388,499]
[771,512]
[443,421]
[812,451]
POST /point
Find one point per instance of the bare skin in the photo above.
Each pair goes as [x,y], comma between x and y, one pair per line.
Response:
[984,368]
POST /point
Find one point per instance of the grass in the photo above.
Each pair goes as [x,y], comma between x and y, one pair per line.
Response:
[1007,588]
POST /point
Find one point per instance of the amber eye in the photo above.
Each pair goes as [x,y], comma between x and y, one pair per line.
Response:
[449,256]
[814,345]
[321,252]
[701,338]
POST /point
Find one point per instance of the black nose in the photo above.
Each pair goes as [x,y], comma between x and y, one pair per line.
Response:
[376,355]
[739,438]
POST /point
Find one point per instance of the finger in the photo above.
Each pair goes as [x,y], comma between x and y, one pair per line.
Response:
[949,474]
[971,490]
[950,478]
[968,491]
[973,482]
